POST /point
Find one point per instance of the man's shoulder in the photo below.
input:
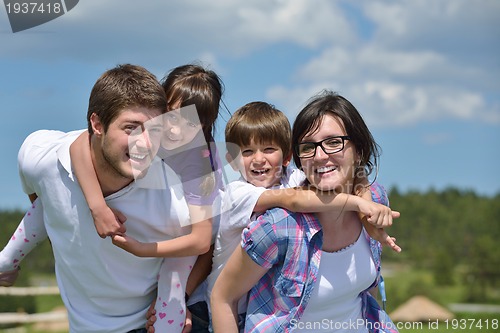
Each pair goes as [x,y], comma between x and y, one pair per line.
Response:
[48,138]
[43,145]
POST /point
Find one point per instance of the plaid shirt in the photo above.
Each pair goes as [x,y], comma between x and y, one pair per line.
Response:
[289,245]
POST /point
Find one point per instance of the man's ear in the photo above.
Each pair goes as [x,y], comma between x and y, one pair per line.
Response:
[96,124]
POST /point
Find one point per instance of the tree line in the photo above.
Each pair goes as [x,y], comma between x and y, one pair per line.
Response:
[454,234]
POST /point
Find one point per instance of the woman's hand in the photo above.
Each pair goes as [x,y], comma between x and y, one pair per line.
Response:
[379,234]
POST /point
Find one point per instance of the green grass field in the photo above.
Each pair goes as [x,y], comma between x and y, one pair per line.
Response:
[402,282]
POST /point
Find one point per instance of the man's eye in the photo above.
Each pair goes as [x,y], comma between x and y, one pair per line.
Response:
[131,128]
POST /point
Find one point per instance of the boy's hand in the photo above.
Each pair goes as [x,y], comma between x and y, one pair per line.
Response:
[376,214]
[108,221]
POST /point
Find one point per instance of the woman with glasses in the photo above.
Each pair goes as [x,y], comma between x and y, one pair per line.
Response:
[307,272]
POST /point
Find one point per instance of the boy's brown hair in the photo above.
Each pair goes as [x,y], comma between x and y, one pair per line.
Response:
[260,122]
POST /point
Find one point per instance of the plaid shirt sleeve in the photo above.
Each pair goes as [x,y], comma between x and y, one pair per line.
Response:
[379,194]
[259,241]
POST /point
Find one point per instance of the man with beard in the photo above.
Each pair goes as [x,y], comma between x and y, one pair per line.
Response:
[104,288]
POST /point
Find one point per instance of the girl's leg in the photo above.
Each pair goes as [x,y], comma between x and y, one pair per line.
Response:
[170,304]
[30,232]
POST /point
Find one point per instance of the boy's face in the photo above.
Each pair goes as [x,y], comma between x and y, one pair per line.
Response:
[262,164]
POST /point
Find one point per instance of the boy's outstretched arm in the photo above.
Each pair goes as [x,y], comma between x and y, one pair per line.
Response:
[106,220]
[308,200]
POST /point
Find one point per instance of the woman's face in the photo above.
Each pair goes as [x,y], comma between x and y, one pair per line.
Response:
[330,171]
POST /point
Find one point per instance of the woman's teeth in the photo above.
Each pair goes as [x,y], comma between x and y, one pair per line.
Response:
[325,169]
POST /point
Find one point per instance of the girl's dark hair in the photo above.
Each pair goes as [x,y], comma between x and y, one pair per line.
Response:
[328,102]
[193,84]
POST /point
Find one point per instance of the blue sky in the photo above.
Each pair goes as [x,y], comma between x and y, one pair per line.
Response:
[424,74]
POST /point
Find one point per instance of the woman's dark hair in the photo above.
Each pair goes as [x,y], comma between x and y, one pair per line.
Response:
[328,102]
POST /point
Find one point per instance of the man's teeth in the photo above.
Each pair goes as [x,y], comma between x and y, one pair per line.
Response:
[138,156]
[260,172]
[325,169]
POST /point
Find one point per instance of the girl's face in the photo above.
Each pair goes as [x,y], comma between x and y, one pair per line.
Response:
[179,130]
[330,171]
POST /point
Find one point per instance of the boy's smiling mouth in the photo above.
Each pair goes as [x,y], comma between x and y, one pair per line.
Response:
[260,171]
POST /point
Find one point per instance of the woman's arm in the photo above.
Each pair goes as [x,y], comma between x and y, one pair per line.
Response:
[239,275]
[107,221]
[196,243]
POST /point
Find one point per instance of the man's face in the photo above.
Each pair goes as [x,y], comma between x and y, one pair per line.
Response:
[131,142]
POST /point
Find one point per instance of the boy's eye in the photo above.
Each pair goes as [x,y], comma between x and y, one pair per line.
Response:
[270,150]
[246,152]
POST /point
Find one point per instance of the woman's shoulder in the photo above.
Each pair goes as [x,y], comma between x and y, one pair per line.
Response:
[282,222]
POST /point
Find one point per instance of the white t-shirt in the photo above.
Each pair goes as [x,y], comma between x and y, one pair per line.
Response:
[238,203]
[104,288]
[335,304]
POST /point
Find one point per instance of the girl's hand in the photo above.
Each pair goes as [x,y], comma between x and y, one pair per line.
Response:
[108,221]
[130,244]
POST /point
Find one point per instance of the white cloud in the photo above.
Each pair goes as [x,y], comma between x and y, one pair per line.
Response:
[157,26]
[401,75]
[421,60]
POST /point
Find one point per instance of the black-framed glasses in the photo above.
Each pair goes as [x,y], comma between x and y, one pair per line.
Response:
[329,145]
